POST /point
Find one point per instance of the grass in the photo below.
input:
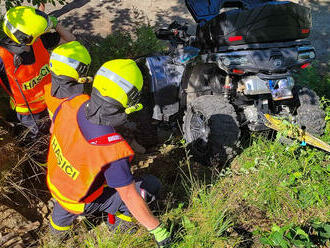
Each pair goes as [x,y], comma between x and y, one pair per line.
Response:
[271,191]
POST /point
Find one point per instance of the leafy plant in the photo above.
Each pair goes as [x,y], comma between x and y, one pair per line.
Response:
[146,42]
[114,46]
[321,230]
[124,45]
[286,237]
[294,236]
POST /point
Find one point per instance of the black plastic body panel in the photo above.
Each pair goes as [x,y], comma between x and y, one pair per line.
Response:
[270,22]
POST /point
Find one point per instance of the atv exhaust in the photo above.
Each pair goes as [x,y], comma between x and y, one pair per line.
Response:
[294,132]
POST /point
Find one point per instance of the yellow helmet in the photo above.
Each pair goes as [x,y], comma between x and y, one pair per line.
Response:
[120,79]
[25,24]
[70,59]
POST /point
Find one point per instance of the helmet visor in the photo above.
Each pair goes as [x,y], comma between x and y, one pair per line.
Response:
[21,37]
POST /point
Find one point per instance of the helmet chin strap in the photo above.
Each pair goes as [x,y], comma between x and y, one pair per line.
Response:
[85,80]
[134,108]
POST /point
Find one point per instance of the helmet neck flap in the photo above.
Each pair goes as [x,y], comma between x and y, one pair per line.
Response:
[105,110]
[64,86]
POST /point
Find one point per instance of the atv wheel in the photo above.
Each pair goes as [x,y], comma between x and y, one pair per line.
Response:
[211,128]
[308,111]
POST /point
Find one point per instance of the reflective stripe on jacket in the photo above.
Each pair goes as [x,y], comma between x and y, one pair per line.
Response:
[74,163]
[31,79]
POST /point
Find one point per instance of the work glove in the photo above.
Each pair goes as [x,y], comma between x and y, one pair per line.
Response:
[162,237]
[54,21]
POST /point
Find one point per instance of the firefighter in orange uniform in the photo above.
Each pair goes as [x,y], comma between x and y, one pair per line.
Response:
[86,152]
[24,69]
[69,64]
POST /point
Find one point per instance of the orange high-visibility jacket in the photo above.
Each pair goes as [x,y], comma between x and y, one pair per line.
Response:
[74,163]
[31,79]
[51,101]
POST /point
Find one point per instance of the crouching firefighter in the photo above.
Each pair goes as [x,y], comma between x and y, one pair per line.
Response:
[24,59]
[86,154]
[69,64]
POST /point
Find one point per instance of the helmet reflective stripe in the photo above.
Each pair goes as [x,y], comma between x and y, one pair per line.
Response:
[69,61]
[11,28]
[123,83]
[80,67]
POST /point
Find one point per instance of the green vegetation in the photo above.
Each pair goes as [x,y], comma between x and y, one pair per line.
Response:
[315,78]
[124,45]
[272,196]
[294,236]
[2,33]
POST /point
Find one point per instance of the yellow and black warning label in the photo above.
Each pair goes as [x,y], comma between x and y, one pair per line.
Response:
[44,71]
[62,162]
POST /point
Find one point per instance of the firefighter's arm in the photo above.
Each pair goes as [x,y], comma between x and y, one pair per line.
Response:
[140,210]
[65,34]
[137,206]
[42,7]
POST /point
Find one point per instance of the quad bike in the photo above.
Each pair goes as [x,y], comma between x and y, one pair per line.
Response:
[235,72]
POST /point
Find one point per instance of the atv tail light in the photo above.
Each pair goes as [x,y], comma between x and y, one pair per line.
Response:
[305,65]
[235,38]
[305,31]
[237,71]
